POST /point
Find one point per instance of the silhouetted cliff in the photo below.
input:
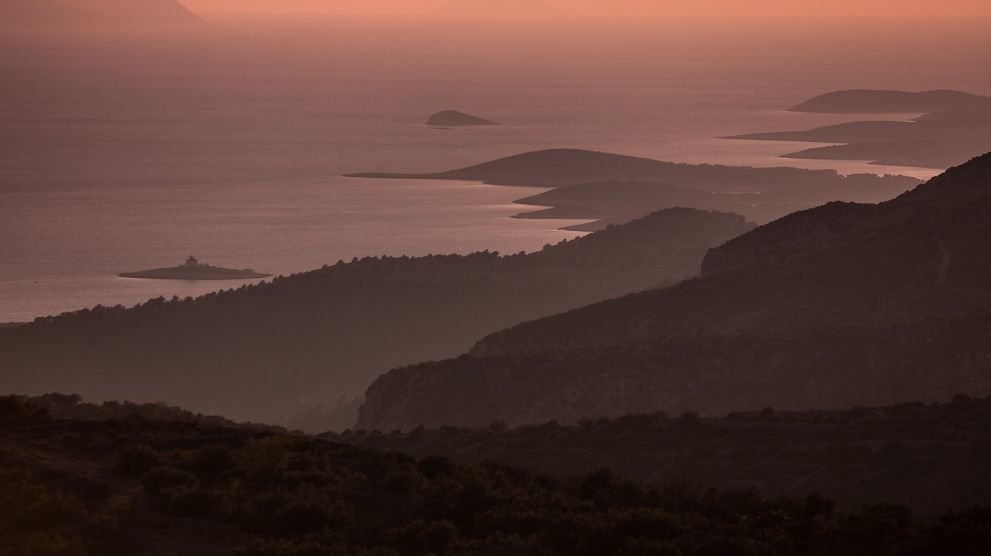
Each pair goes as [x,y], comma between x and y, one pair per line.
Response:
[915,256]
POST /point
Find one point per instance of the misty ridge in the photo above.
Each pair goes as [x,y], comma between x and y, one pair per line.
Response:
[730,356]
[609,188]
[334,329]
[54,14]
[332,325]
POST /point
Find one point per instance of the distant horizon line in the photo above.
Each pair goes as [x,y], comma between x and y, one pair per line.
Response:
[573,16]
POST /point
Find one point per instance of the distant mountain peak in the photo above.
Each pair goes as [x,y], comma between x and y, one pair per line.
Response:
[94,13]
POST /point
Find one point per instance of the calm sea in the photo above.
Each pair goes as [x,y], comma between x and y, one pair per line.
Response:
[127,151]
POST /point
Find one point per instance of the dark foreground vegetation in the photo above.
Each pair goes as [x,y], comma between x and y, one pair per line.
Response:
[148,484]
[932,458]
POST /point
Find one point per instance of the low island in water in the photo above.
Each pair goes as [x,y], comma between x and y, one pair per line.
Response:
[454,118]
[195,270]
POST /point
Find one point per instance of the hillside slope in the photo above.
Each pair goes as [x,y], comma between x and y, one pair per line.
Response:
[836,306]
[827,368]
[919,255]
[267,352]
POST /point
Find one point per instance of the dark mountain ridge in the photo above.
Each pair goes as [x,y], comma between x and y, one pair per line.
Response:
[825,367]
[909,258]
[812,310]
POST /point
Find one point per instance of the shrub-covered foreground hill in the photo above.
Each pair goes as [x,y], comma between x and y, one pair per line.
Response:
[931,458]
[153,484]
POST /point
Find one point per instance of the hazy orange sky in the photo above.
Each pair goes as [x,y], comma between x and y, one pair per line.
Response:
[617,8]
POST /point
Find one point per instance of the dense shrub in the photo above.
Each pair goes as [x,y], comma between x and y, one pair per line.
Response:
[165,477]
[213,490]
[135,461]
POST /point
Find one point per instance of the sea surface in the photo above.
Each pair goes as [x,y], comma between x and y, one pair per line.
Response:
[133,150]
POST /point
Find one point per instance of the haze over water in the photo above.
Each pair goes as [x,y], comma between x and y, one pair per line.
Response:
[133,150]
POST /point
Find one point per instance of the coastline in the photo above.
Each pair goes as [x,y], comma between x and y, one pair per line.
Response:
[600,188]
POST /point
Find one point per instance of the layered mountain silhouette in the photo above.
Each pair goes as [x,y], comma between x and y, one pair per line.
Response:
[612,188]
[93,13]
[123,478]
[258,352]
[831,307]
[956,127]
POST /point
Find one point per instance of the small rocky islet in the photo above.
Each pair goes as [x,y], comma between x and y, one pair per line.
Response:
[193,269]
